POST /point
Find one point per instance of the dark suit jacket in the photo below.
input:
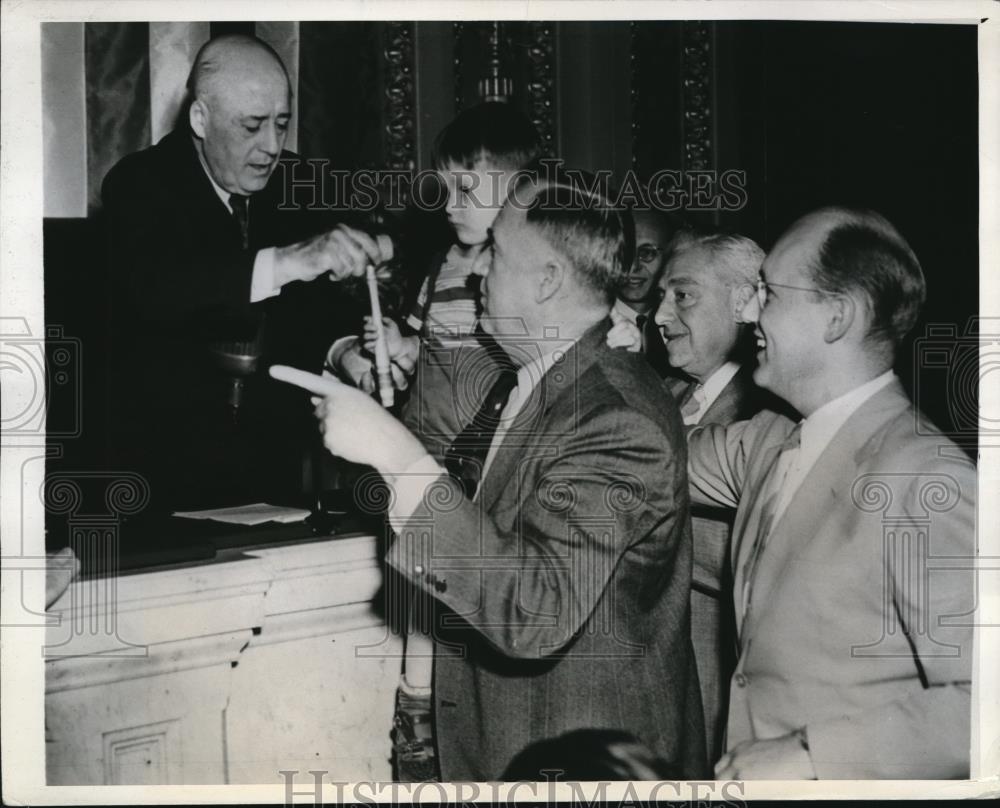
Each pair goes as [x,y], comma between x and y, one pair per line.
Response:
[566,584]
[181,281]
[858,623]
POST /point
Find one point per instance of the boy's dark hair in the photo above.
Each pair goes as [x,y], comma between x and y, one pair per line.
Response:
[494,131]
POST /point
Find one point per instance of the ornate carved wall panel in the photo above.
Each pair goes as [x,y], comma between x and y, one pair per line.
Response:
[655,69]
[399,97]
[698,85]
[526,56]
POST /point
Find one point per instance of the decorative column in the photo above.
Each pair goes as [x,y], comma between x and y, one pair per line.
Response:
[906,556]
[93,609]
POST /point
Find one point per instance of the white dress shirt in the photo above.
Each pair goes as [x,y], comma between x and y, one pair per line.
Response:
[413,481]
[262,279]
[710,390]
[817,432]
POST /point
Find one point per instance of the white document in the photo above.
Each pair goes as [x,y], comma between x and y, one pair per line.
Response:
[255,514]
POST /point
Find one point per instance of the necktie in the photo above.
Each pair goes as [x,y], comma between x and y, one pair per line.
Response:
[692,403]
[241,214]
[652,344]
[772,491]
[465,457]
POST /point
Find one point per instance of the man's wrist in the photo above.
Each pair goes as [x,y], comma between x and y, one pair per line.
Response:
[280,266]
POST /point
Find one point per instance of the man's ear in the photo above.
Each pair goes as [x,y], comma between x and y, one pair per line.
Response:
[738,299]
[197,117]
[550,279]
[842,311]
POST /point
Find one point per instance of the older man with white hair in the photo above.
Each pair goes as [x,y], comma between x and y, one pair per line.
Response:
[707,282]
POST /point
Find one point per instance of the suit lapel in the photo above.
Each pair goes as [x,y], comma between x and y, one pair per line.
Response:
[559,380]
[728,404]
[822,492]
[204,204]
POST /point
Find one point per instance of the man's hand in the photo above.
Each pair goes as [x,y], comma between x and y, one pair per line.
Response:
[782,758]
[624,334]
[343,252]
[403,351]
[393,339]
[355,426]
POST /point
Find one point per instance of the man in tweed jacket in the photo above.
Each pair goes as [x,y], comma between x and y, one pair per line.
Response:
[563,582]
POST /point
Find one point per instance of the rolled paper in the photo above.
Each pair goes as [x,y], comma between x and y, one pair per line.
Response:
[383,371]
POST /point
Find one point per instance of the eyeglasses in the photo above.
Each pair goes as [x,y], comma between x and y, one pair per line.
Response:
[647,253]
[763,287]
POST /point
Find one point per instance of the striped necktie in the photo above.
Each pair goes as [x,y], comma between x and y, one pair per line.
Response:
[465,458]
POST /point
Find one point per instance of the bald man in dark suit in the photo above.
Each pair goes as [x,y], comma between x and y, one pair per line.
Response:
[208,255]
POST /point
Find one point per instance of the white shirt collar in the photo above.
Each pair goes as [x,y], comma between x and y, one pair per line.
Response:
[820,427]
[220,192]
[623,311]
[528,377]
[818,430]
[716,383]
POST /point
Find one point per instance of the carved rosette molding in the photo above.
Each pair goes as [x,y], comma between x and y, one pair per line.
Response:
[633,74]
[457,31]
[400,104]
[697,89]
[541,83]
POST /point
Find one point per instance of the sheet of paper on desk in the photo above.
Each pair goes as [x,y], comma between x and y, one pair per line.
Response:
[256,514]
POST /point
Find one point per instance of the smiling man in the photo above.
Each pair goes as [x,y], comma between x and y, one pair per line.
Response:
[639,293]
[708,280]
[204,257]
[556,539]
[855,661]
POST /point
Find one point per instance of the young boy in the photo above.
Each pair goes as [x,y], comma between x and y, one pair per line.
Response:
[476,156]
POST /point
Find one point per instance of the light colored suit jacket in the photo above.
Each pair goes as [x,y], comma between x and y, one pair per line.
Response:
[566,584]
[712,629]
[860,620]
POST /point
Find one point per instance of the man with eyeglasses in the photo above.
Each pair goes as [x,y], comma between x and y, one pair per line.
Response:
[854,661]
[639,294]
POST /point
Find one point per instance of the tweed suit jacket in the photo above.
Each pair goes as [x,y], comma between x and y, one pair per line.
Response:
[855,628]
[564,587]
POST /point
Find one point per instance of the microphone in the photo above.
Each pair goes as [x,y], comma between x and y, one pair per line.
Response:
[237,358]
